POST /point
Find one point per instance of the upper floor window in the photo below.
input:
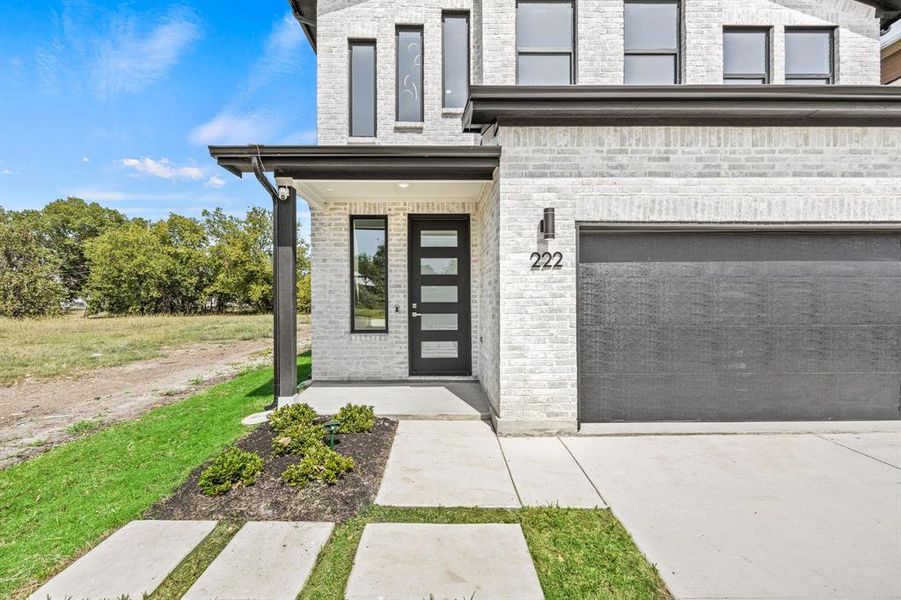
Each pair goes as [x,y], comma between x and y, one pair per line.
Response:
[809,56]
[362,88]
[409,74]
[544,42]
[455,59]
[746,56]
[651,42]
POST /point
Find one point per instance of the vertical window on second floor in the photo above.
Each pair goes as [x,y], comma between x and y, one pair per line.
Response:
[746,56]
[651,42]
[362,89]
[409,74]
[455,59]
[544,42]
[809,56]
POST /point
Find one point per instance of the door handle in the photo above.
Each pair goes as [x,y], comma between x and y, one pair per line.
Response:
[415,314]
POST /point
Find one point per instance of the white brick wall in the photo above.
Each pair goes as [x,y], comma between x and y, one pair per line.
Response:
[604,175]
[341,355]
[599,50]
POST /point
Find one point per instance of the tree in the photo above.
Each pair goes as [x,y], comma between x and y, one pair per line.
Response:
[64,227]
[29,283]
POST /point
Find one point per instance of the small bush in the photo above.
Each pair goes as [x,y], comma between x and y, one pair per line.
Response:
[321,464]
[231,468]
[356,418]
[291,415]
[298,440]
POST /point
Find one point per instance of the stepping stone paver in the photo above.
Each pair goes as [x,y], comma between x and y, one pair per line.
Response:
[446,463]
[545,473]
[415,561]
[132,562]
[266,560]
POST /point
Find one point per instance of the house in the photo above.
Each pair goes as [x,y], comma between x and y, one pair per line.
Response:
[891,57]
[601,210]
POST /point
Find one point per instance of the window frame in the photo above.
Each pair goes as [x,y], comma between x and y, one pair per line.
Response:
[353,291]
[397,31]
[351,42]
[768,56]
[457,14]
[676,52]
[550,51]
[832,50]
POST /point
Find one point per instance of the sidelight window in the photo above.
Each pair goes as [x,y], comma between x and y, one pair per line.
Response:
[455,59]
[409,74]
[362,88]
[369,274]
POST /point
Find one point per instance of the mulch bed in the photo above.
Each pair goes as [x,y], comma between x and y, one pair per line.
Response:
[273,500]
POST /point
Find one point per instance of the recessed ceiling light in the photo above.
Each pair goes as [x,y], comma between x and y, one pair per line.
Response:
[403,185]
[329,189]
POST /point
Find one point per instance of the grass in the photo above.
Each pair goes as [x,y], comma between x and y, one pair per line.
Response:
[65,501]
[85,426]
[71,345]
[577,553]
[189,570]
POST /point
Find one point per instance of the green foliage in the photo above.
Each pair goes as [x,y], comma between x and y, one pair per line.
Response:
[231,468]
[356,418]
[85,426]
[29,281]
[320,464]
[291,415]
[298,440]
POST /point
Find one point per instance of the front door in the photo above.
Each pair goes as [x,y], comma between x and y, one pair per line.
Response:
[440,341]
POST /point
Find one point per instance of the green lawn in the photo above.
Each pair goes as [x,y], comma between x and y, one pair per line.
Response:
[71,345]
[60,503]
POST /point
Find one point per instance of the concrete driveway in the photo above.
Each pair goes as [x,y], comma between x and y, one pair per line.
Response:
[758,516]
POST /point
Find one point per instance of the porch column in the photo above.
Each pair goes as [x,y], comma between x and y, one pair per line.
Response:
[284,295]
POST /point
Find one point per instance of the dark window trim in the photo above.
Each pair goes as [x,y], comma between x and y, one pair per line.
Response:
[832,50]
[456,14]
[768,48]
[397,31]
[353,298]
[674,52]
[351,42]
[553,51]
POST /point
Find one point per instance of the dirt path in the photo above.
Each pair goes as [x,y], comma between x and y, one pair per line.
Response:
[34,415]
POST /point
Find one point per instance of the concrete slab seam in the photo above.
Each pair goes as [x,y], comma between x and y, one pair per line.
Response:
[578,464]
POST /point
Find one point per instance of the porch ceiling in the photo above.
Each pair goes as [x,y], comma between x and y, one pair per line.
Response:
[319,192]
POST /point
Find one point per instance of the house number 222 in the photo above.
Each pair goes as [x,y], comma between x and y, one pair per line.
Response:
[546,260]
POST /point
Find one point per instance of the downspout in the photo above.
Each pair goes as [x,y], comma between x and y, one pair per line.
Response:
[257,163]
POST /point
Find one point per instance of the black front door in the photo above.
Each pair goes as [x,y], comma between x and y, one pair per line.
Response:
[439,295]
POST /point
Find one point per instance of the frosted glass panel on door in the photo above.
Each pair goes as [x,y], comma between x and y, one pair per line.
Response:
[438,293]
[439,322]
[438,239]
[438,266]
[439,350]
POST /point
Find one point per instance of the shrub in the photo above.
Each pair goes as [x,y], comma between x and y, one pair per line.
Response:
[231,468]
[321,464]
[298,439]
[356,418]
[291,415]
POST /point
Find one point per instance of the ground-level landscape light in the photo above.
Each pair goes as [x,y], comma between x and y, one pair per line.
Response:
[332,427]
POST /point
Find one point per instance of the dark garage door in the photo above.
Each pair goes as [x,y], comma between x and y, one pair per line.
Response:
[737,326]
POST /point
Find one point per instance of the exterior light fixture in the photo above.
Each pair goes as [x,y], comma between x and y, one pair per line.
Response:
[332,427]
[547,225]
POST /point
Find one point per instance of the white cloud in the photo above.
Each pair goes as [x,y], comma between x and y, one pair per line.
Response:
[7,172]
[280,55]
[231,128]
[163,168]
[217,183]
[130,62]
[304,137]
[85,159]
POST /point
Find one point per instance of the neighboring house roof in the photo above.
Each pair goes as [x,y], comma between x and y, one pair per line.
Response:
[682,105]
[891,63]
[888,12]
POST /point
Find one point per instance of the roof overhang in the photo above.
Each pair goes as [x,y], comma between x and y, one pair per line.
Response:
[770,105]
[446,163]
[888,11]
[305,13]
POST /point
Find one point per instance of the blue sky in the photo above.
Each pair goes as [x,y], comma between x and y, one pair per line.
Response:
[115,102]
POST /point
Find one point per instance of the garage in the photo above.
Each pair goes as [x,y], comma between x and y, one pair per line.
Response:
[739,325]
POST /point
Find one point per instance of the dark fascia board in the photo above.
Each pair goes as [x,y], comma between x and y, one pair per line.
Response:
[461,163]
[888,11]
[305,13]
[770,105]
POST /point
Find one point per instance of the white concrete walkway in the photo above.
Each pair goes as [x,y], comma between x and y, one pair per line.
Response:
[132,562]
[413,561]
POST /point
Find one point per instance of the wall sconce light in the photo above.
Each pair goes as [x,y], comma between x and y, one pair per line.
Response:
[546,225]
